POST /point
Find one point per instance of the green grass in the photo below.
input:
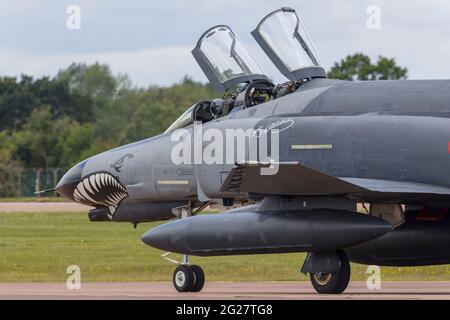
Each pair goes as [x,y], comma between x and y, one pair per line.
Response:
[40,246]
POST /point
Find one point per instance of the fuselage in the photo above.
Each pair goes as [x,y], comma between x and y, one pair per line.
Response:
[387,130]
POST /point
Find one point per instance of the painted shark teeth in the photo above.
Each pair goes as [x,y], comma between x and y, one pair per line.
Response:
[102,189]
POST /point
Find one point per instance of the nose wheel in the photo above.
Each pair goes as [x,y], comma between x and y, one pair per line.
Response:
[199,278]
[188,278]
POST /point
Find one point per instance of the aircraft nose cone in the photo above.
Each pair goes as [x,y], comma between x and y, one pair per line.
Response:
[69,181]
[169,236]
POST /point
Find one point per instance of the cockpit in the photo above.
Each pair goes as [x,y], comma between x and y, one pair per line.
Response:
[232,69]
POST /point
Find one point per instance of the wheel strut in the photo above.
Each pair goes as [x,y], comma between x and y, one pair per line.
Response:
[186,212]
[186,278]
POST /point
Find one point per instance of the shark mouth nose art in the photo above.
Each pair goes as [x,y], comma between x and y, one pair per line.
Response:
[102,189]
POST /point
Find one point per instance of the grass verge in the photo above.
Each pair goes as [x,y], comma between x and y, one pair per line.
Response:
[40,247]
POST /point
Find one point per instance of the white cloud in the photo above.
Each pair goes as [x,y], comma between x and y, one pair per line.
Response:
[151,41]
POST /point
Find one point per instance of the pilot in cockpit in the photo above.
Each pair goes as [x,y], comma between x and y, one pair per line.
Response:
[232,69]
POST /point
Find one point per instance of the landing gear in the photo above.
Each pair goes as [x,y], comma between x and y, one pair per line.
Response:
[333,283]
[183,278]
[188,278]
[199,278]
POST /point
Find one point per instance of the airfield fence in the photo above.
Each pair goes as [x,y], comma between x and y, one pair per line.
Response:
[24,182]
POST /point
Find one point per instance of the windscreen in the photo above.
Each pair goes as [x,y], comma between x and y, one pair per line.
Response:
[183,121]
[227,55]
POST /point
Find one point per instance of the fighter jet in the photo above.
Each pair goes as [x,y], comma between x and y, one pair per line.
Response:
[295,159]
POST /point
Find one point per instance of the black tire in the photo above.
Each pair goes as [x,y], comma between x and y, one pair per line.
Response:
[183,278]
[333,283]
[199,278]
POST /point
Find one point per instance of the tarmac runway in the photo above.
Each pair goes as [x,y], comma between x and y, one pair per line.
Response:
[222,290]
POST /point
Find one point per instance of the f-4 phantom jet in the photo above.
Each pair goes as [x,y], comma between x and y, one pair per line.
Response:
[295,160]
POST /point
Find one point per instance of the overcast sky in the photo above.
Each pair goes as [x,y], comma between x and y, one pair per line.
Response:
[151,40]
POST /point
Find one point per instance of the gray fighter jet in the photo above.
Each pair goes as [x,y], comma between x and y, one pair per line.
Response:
[323,147]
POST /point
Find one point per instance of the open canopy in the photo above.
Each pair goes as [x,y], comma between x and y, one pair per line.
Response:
[224,59]
[285,41]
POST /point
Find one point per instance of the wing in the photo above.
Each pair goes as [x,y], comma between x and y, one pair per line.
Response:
[291,179]
[386,186]
[296,179]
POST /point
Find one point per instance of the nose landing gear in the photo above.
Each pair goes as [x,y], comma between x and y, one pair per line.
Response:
[199,278]
[188,278]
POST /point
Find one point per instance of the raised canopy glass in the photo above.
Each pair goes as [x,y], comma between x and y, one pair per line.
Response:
[224,58]
[284,39]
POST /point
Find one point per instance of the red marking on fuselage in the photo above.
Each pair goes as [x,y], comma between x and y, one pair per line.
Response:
[432,214]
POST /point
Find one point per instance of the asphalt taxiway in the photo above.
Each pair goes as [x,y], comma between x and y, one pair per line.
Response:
[223,290]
